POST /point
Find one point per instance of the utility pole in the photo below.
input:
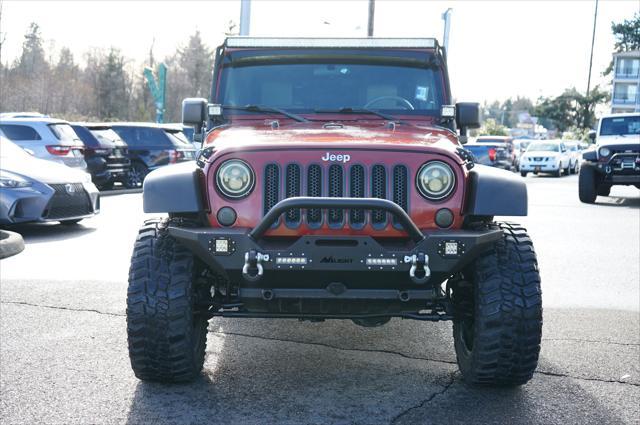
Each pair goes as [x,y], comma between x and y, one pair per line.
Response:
[372,9]
[446,16]
[593,39]
[245,16]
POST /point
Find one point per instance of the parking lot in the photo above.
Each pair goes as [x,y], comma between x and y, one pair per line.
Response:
[63,353]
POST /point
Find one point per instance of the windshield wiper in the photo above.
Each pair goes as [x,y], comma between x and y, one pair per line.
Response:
[349,110]
[259,108]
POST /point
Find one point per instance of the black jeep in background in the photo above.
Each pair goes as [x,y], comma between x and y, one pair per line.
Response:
[152,146]
[105,154]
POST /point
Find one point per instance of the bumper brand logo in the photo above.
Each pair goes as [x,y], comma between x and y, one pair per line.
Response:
[71,189]
[334,260]
[330,157]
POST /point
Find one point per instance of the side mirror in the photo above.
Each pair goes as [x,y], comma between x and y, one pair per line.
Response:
[592,135]
[467,116]
[194,114]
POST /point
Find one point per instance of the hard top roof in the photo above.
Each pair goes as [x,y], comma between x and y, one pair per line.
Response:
[330,42]
[26,120]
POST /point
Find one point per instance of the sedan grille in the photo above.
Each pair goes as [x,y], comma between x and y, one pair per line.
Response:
[69,200]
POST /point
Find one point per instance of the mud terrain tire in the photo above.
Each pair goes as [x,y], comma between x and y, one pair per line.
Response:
[498,323]
[166,339]
[587,184]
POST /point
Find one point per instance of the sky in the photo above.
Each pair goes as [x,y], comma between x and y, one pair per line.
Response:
[497,49]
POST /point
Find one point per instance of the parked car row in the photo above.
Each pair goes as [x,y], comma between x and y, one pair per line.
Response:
[111,152]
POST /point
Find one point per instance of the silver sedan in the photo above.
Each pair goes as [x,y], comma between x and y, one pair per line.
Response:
[36,190]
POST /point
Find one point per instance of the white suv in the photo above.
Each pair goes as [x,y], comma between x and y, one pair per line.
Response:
[46,138]
[546,156]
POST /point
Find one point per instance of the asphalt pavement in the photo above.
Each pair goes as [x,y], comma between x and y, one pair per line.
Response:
[63,350]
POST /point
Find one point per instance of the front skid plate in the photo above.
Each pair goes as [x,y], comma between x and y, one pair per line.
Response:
[335,253]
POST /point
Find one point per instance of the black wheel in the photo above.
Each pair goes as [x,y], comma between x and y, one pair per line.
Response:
[559,172]
[523,173]
[587,184]
[498,313]
[71,222]
[567,171]
[372,322]
[166,333]
[604,189]
[136,175]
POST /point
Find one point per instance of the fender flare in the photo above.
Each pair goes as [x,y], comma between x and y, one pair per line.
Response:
[174,189]
[495,192]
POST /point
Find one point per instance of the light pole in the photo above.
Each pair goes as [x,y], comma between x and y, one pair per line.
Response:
[245,16]
[372,9]
[446,17]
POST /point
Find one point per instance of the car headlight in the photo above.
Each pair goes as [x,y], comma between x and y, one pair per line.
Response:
[604,152]
[12,181]
[235,178]
[435,180]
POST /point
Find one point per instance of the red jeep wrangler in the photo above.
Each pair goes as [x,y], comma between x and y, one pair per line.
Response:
[332,185]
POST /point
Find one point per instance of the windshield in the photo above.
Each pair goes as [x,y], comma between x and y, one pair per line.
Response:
[617,126]
[106,136]
[544,147]
[328,86]
[10,150]
[64,132]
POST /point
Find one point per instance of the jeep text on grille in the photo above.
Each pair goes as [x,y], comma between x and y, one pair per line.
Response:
[333,184]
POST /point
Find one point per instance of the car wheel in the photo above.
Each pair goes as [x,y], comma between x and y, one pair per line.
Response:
[166,332]
[523,173]
[568,170]
[497,325]
[587,184]
[70,222]
[136,175]
[558,173]
[604,190]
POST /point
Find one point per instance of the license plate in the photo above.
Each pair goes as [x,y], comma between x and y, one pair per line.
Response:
[537,168]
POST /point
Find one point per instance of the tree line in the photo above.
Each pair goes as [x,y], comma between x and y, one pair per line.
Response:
[106,87]
[109,87]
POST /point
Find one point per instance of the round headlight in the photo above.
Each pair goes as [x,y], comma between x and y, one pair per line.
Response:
[604,152]
[235,178]
[435,180]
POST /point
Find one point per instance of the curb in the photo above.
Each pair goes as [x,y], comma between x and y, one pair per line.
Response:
[11,243]
[120,192]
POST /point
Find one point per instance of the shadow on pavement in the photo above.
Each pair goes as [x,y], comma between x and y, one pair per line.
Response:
[619,201]
[261,376]
[50,232]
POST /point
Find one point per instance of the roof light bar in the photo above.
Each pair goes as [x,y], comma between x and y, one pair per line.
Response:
[285,42]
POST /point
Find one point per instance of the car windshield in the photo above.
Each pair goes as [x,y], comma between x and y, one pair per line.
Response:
[331,86]
[620,126]
[544,147]
[64,132]
[9,150]
[106,135]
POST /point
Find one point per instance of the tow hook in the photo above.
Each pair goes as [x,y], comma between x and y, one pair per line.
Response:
[252,270]
[419,271]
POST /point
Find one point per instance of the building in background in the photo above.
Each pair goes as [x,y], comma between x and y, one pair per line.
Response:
[625,96]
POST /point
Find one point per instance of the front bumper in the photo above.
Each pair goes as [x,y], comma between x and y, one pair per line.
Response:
[333,275]
[41,203]
[539,167]
[621,168]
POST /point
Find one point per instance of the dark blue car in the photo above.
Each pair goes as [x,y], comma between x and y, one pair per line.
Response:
[105,153]
[151,146]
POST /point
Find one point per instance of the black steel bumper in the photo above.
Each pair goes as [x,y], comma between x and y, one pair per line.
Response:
[621,168]
[245,255]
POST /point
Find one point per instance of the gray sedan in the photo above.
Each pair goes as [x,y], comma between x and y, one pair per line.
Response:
[33,189]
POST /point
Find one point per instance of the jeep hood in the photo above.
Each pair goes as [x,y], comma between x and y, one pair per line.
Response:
[618,140]
[333,136]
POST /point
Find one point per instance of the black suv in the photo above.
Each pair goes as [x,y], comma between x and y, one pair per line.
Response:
[152,146]
[105,154]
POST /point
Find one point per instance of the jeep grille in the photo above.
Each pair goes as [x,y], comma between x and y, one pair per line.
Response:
[336,181]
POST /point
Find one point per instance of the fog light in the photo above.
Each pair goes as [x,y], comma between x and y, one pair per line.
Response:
[226,216]
[381,262]
[444,217]
[291,260]
[222,246]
